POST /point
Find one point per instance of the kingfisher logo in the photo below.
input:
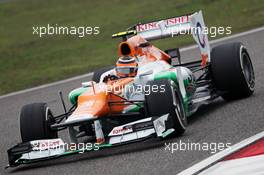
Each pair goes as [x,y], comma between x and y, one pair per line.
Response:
[168,22]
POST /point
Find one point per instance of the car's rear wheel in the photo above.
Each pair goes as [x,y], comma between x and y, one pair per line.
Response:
[167,101]
[232,71]
[35,121]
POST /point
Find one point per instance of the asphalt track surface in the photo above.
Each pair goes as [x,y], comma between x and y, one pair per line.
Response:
[219,122]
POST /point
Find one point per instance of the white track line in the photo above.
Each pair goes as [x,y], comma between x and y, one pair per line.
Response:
[226,38]
[90,74]
[203,165]
[47,85]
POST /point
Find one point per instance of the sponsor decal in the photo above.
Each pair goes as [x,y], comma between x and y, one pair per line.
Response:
[168,22]
[200,35]
[121,130]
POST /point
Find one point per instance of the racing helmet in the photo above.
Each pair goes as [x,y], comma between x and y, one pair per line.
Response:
[126,66]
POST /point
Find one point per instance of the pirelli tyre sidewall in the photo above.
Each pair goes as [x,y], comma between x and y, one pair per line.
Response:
[35,121]
[232,71]
[168,101]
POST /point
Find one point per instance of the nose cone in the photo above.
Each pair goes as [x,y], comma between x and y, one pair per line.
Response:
[90,106]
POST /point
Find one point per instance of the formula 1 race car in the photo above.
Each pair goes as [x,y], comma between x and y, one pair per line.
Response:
[149,93]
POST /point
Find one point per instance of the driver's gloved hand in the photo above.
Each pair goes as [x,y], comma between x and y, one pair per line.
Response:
[109,77]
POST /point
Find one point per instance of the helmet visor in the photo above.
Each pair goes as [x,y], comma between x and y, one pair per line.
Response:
[126,71]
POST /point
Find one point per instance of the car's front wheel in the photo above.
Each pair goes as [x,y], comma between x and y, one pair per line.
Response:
[35,121]
[167,100]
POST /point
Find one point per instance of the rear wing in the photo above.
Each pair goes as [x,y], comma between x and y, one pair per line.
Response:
[172,27]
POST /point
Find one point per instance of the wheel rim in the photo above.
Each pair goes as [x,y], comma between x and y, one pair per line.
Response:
[248,70]
[178,109]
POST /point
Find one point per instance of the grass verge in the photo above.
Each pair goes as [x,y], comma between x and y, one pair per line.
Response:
[27,60]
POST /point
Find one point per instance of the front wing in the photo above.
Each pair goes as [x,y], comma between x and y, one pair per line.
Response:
[39,150]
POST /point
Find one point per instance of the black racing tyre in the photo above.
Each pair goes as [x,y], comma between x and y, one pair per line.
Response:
[35,121]
[232,71]
[167,101]
[97,74]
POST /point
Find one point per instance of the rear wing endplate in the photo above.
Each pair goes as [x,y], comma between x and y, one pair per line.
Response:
[171,27]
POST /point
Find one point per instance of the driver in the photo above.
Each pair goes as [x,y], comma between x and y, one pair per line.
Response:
[126,66]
